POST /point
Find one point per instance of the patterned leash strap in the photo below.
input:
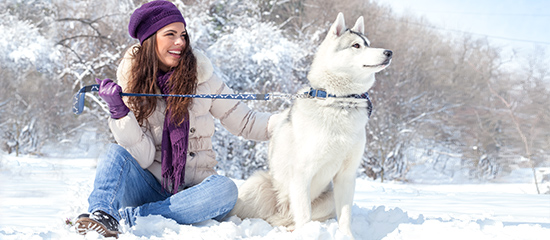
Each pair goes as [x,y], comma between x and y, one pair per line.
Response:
[236,96]
[78,99]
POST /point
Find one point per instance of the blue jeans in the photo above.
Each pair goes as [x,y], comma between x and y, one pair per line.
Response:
[126,191]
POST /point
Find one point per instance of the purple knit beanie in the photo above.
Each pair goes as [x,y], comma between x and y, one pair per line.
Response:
[152,16]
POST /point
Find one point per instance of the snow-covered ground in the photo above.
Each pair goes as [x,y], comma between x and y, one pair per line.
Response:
[37,195]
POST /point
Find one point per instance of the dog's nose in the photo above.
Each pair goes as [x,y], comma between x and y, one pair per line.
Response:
[388,53]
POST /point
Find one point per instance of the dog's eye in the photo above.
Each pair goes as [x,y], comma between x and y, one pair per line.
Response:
[357,45]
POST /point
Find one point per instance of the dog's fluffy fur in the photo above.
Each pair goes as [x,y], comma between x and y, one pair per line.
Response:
[317,144]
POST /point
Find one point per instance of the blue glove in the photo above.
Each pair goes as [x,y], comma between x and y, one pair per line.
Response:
[110,92]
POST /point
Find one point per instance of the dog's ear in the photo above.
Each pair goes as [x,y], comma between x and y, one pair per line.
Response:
[339,26]
[359,26]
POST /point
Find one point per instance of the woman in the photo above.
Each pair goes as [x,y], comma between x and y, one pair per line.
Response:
[163,162]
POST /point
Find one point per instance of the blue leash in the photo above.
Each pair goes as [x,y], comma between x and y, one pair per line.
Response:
[78,105]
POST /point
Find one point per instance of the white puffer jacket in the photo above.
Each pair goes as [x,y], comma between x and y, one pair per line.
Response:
[144,142]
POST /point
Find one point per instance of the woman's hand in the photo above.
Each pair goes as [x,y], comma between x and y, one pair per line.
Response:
[110,92]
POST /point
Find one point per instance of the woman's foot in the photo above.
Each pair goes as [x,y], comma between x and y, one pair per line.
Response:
[99,221]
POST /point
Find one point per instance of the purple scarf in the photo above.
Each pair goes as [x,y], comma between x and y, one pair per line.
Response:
[174,144]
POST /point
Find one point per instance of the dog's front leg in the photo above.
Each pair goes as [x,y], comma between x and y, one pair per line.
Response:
[344,188]
[300,199]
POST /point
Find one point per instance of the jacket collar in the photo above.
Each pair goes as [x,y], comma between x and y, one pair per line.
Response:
[205,70]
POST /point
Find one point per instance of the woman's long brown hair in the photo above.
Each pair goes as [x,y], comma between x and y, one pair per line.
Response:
[143,79]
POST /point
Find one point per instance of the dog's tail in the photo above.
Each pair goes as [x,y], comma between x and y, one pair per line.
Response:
[258,199]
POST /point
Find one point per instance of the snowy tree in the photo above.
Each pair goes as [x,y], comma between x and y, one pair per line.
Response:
[49,50]
[92,36]
[28,96]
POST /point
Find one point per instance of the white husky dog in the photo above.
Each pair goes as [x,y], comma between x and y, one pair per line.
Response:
[318,143]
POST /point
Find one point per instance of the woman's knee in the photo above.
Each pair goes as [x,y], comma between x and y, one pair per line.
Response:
[229,187]
[115,153]
[223,193]
[227,197]
[115,157]
[115,150]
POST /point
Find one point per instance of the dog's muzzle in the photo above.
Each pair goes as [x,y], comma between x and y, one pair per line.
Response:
[387,61]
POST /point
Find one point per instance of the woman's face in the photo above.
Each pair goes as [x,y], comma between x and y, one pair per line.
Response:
[170,45]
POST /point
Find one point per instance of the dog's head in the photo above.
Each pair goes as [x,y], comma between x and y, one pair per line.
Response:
[345,63]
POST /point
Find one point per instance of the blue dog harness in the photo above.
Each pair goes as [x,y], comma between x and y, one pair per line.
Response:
[320,94]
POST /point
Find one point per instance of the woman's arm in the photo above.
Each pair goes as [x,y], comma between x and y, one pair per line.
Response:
[236,116]
[130,136]
[126,131]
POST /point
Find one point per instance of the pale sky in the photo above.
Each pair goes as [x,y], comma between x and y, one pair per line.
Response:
[518,24]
